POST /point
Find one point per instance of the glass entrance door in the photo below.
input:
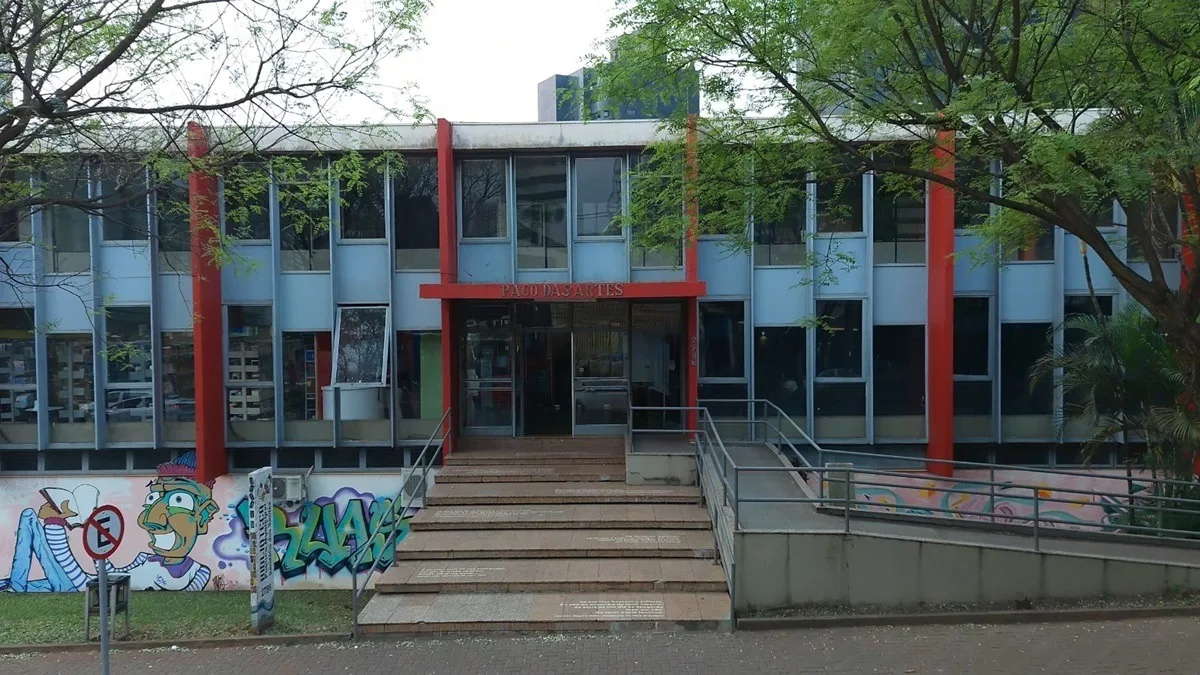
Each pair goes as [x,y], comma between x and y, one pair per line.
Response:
[546,382]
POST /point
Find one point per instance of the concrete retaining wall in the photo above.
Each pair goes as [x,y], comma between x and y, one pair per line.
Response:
[777,570]
[643,468]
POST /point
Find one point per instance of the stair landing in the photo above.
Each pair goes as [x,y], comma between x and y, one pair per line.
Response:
[546,536]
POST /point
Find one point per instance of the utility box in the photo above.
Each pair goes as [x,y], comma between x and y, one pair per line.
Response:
[839,484]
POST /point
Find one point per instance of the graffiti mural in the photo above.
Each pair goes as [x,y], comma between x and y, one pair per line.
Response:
[175,513]
[320,536]
[1064,499]
[183,535]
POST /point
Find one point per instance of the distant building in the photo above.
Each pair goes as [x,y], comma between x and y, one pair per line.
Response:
[564,98]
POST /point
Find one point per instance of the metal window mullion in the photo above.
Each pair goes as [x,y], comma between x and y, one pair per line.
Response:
[510,209]
[810,343]
[389,221]
[41,347]
[275,226]
[156,390]
[994,337]
[99,324]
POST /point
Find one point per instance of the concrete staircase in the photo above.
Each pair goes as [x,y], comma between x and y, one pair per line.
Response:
[543,535]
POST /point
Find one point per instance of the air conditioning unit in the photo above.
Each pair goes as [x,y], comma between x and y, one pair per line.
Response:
[289,489]
[414,487]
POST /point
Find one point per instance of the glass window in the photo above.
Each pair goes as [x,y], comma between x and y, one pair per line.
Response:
[598,196]
[650,209]
[839,338]
[128,394]
[127,348]
[780,241]
[304,217]
[363,206]
[178,386]
[972,323]
[300,390]
[722,339]
[361,345]
[541,212]
[973,397]
[840,204]
[15,224]
[899,229]
[67,228]
[18,377]
[247,192]
[122,199]
[419,384]
[173,213]
[1161,217]
[977,174]
[250,396]
[899,378]
[72,389]
[1039,248]
[415,209]
[1021,345]
[779,368]
[484,198]
[840,410]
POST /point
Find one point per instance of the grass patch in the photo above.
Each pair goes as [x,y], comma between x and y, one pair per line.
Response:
[55,618]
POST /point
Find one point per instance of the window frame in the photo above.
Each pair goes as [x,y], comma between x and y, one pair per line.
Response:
[95,183]
[879,195]
[394,181]
[385,176]
[230,384]
[337,335]
[509,199]
[514,213]
[574,192]
[744,378]
[271,198]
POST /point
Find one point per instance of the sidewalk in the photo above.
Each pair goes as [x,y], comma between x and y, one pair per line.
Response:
[1160,646]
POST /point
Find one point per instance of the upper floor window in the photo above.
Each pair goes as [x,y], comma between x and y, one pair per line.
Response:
[899,228]
[66,225]
[361,345]
[123,202]
[840,202]
[247,191]
[1160,217]
[1039,247]
[484,189]
[780,240]
[541,212]
[304,215]
[598,194]
[975,173]
[723,339]
[415,211]
[173,215]
[362,195]
[14,223]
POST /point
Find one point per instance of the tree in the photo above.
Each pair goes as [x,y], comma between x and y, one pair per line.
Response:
[96,97]
[1072,103]
[1120,378]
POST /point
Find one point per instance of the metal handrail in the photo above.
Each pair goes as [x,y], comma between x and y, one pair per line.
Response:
[421,464]
[954,463]
[852,477]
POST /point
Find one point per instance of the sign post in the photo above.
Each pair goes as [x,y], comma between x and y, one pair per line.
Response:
[262,551]
[101,535]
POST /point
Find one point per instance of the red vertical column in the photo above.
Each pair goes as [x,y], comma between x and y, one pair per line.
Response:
[207,324]
[940,323]
[448,267]
[691,271]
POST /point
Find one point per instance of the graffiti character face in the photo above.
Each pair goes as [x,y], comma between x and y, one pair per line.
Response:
[176,512]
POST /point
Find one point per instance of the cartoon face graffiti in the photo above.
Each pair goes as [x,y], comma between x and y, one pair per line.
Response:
[176,511]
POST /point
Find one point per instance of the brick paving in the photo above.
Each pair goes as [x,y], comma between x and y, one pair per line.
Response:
[1159,646]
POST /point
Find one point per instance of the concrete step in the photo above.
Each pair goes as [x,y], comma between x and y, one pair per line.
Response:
[539,443]
[470,544]
[397,613]
[562,516]
[532,473]
[453,494]
[555,575]
[551,457]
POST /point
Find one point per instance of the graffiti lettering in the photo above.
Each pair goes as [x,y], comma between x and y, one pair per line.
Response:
[318,534]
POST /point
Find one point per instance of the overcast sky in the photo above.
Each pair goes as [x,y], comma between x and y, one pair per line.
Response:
[483,59]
